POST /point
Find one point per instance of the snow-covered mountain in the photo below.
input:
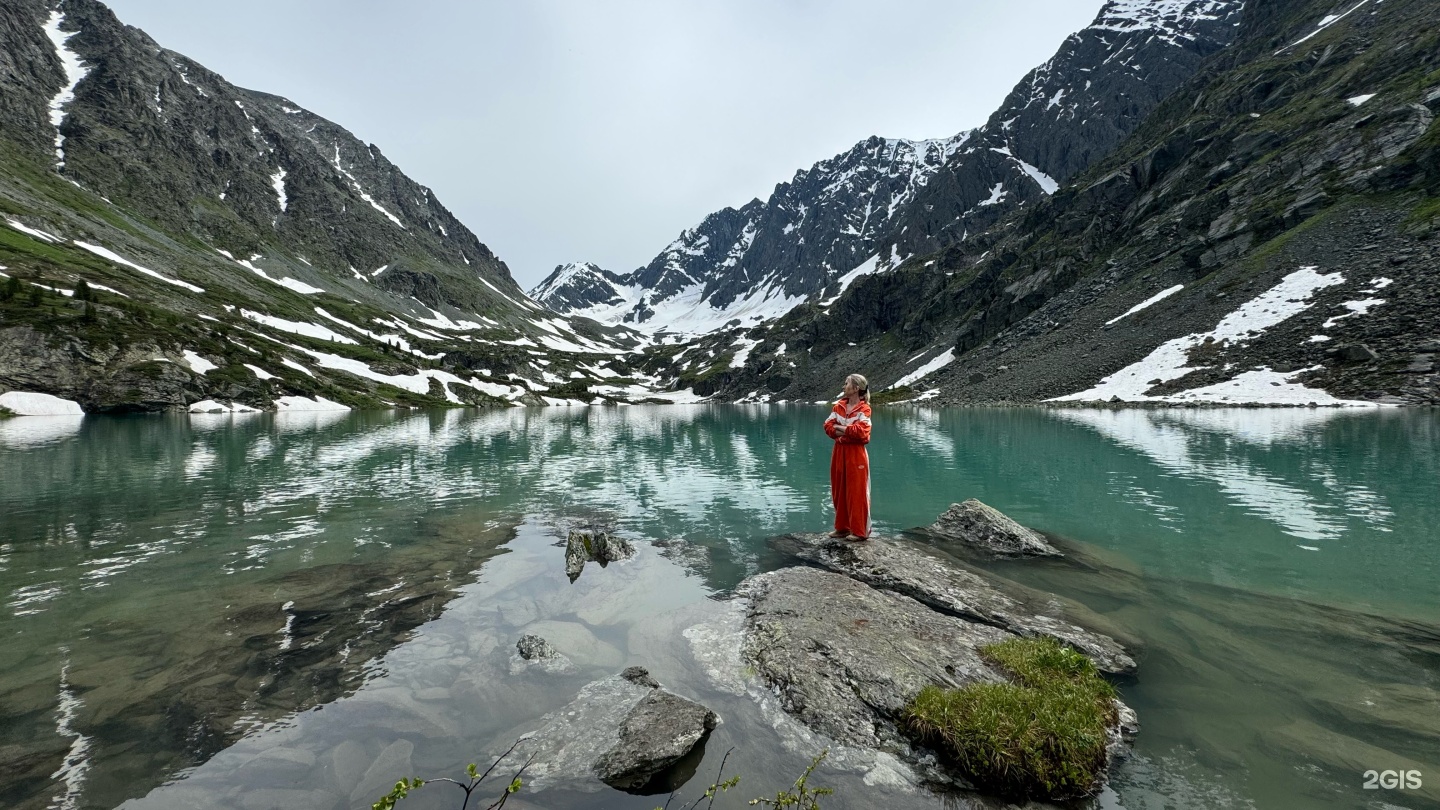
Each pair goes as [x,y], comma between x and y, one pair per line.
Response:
[237,250]
[868,209]
[756,262]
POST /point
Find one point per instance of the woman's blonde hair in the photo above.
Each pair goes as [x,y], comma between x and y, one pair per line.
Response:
[861,383]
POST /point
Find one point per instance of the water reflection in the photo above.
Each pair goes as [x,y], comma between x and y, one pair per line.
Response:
[135,552]
[1198,445]
[37,431]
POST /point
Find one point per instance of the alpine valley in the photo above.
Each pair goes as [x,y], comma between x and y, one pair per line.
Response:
[1193,201]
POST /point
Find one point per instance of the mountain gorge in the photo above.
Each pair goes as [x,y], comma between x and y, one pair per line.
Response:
[237,250]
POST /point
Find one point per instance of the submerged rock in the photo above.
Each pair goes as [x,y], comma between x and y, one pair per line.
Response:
[945,585]
[988,529]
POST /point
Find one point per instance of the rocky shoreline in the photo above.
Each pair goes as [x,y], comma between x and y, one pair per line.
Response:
[845,639]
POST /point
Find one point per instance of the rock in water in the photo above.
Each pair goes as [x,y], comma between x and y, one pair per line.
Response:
[583,547]
[624,727]
[609,549]
[845,658]
[945,585]
[657,733]
[532,650]
[577,553]
[985,528]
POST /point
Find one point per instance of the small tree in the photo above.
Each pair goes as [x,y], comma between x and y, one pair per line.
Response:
[83,291]
[11,290]
[37,295]
[89,316]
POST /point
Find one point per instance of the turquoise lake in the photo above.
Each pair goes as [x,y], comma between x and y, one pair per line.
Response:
[260,611]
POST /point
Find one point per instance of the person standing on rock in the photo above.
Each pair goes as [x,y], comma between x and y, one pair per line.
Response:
[849,425]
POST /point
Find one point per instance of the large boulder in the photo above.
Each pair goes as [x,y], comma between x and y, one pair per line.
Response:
[625,729]
[987,529]
[946,585]
[845,658]
[657,733]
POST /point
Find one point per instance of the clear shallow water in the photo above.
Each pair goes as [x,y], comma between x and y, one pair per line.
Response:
[1246,550]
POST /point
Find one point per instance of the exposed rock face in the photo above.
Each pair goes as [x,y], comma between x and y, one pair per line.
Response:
[987,529]
[657,733]
[944,584]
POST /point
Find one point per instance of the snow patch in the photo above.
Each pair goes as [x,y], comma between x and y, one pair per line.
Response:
[277,181]
[305,328]
[198,364]
[319,403]
[935,364]
[105,253]
[1154,299]
[211,406]
[74,72]
[24,403]
[1169,361]
[38,234]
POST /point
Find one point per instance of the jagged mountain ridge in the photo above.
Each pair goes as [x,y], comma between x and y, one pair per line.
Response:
[887,200]
[232,225]
[1266,235]
[817,226]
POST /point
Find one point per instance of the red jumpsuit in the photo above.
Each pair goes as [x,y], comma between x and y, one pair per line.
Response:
[850,467]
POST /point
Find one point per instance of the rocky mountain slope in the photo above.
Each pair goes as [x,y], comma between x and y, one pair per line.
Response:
[236,250]
[883,201]
[1264,235]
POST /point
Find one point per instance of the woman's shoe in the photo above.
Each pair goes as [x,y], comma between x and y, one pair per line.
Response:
[855,537]
[838,533]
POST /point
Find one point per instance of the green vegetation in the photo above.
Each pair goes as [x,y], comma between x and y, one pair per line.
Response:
[891,395]
[472,783]
[1042,736]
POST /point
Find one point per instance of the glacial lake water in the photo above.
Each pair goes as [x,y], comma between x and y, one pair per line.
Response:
[293,611]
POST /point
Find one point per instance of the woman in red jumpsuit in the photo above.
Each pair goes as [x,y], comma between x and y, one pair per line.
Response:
[849,425]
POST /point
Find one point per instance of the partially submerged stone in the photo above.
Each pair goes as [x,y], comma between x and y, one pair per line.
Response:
[661,730]
[945,585]
[623,728]
[582,547]
[987,529]
[534,651]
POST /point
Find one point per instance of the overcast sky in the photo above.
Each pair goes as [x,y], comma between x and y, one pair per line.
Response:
[597,131]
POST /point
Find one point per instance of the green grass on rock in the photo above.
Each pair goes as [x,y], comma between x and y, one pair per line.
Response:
[1041,736]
